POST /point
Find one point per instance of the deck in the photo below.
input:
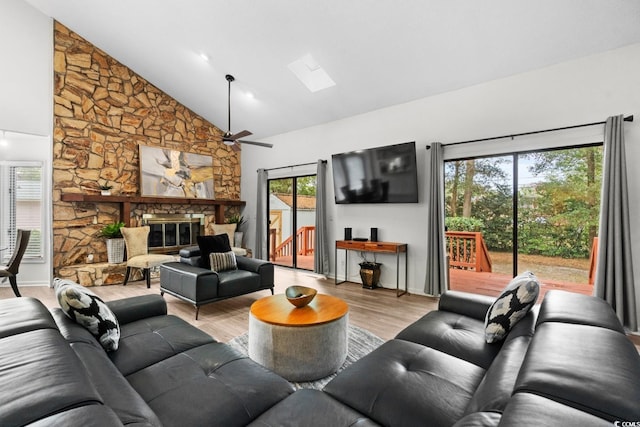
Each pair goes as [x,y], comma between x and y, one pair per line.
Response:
[492,284]
[482,283]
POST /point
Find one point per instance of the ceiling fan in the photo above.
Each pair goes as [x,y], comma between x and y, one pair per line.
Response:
[233,139]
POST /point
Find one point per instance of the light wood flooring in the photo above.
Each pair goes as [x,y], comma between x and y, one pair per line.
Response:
[379,310]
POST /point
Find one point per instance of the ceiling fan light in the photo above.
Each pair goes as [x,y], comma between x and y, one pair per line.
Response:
[228,142]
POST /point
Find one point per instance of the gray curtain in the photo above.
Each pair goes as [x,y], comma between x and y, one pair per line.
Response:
[614,274]
[436,281]
[321,254]
[262,237]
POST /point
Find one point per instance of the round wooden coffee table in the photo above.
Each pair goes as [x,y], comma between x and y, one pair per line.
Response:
[300,344]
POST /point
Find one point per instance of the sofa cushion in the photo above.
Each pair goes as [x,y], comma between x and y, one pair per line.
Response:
[88,310]
[24,314]
[531,410]
[569,307]
[41,376]
[237,282]
[148,341]
[311,408]
[513,304]
[404,383]
[84,416]
[223,261]
[452,333]
[114,389]
[593,369]
[209,244]
[211,384]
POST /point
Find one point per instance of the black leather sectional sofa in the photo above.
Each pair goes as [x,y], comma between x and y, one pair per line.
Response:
[567,363]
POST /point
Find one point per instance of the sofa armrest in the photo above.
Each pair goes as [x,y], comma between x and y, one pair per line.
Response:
[251,264]
[467,304]
[263,268]
[129,310]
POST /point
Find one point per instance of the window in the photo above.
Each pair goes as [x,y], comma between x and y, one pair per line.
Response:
[22,207]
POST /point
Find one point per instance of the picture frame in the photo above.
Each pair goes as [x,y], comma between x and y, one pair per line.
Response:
[172,173]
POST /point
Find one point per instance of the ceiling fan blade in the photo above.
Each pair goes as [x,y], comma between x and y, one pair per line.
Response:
[236,147]
[238,135]
[261,144]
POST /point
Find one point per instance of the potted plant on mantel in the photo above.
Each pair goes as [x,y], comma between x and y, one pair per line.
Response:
[115,242]
[105,189]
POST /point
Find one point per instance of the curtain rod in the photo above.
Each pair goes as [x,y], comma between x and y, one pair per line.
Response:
[626,119]
[293,166]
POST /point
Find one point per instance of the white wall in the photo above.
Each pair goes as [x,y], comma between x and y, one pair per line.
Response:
[580,91]
[26,88]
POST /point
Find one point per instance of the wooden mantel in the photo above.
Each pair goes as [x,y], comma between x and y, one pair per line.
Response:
[126,201]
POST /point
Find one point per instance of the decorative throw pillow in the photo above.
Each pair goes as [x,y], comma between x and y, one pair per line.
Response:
[222,261]
[87,309]
[228,229]
[210,244]
[512,305]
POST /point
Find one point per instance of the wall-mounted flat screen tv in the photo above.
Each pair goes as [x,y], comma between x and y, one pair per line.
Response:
[376,175]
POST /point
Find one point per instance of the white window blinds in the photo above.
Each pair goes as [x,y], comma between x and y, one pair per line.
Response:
[22,207]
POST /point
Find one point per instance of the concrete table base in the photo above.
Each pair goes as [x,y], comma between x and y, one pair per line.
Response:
[299,352]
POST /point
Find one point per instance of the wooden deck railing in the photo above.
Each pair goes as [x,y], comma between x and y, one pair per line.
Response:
[593,261]
[306,237]
[467,250]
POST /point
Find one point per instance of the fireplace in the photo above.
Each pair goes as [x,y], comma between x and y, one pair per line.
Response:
[171,232]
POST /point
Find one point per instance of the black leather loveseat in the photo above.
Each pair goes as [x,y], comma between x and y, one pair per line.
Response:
[567,363]
[191,281]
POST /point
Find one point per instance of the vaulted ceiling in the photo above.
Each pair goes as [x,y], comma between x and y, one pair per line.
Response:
[378,53]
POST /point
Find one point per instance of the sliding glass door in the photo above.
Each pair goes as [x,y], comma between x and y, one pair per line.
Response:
[535,211]
[292,213]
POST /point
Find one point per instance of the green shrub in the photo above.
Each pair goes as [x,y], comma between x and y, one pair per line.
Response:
[459,223]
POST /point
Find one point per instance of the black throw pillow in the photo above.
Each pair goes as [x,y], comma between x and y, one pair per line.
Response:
[209,244]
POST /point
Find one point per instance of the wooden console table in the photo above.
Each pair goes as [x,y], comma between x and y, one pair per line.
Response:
[376,247]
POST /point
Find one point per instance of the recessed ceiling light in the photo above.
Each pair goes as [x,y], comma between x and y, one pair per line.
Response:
[204,57]
[249,95]
[311,74]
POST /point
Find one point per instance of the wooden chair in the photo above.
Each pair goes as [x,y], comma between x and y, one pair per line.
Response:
[11,270]
[138,256]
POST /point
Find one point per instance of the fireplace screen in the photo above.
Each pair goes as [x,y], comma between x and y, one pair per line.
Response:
[170,233]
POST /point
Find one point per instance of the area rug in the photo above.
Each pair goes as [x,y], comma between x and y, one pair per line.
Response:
[361,342]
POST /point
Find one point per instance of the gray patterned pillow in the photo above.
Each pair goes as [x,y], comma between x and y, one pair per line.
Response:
[87,309]
[222,261]
[512,305]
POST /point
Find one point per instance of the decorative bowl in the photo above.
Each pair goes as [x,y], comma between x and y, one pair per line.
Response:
[300,295]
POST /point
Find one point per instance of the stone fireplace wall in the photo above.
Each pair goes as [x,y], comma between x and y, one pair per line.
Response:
[102,112]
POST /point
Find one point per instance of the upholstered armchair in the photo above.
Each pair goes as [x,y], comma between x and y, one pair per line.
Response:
[138,256]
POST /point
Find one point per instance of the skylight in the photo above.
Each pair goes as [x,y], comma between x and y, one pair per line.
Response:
[311,74]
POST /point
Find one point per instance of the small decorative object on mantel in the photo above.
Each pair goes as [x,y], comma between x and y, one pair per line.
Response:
[115,242]
[370,274]
[300,296]
[105,189]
